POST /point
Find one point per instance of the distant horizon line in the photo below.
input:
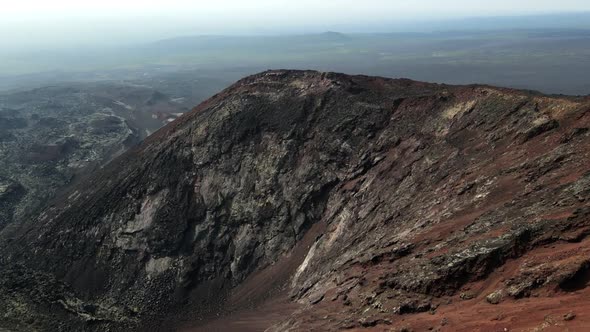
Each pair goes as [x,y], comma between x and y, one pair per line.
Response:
[563,20]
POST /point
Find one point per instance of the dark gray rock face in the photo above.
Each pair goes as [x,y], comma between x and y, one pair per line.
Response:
[219,194]
[231,187]
[10,193]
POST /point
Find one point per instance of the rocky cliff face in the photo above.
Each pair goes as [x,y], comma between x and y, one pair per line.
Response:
[368,202]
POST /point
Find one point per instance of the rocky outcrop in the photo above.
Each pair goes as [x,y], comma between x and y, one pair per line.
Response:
[10,193]
[368,200]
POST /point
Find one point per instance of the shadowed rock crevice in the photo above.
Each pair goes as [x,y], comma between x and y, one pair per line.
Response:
[579,280]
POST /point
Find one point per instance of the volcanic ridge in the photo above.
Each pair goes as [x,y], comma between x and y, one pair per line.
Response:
[300,201]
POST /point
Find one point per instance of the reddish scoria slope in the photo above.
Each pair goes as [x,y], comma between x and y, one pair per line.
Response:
[312,201]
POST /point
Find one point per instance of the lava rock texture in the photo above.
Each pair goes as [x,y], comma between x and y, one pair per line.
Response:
[396,204]
[53,136]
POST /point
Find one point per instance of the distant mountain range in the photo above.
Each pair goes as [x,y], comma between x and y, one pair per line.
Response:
[544,52]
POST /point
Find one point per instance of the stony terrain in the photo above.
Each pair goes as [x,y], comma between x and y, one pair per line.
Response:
[49,136]
[298,201]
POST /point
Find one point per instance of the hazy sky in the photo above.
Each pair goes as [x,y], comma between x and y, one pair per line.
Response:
[294,10]
[288,9]
[42,22]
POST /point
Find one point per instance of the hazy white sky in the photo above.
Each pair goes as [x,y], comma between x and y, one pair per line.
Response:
[288,9]
[34,22]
